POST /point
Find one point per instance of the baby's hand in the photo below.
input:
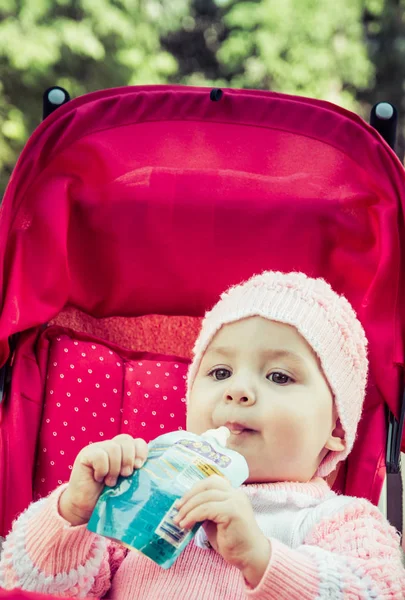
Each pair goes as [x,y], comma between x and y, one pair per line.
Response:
[95,466]
[230,525]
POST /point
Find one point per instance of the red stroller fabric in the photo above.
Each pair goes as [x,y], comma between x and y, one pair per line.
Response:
[155,199]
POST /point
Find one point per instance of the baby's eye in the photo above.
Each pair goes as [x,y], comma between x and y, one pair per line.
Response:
[220,374]
[279,378]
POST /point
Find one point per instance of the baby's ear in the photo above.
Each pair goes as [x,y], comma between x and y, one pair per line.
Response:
[336,441]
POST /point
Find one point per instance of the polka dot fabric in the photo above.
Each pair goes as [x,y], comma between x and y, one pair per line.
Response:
[93,392]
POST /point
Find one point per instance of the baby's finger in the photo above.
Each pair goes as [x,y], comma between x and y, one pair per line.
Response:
[128,453]
[114,452]
[216,482]
[205,497]
[96,458]
[215,511]
[141,452]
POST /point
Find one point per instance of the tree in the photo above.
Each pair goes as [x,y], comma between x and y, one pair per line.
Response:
[81,45]
[309,47]
[385,29]
[196,43]
[350,52]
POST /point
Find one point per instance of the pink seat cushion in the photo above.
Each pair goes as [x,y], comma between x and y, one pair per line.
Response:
[95,391]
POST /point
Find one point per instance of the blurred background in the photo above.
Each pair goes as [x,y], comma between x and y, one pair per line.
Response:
[350,52]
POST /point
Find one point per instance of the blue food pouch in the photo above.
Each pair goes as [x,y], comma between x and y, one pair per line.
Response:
[139,511]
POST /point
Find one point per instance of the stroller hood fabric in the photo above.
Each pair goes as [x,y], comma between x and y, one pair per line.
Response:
[153,200]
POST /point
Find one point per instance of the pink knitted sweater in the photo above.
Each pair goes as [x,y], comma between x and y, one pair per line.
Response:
[323,546]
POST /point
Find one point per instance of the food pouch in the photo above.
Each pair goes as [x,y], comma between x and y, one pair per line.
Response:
[139,511]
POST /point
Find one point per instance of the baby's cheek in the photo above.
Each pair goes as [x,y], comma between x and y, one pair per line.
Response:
[199,418]
[288,433]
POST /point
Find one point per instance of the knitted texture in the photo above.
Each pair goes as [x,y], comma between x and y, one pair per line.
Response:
[64,564]
[323,546]
[326,320]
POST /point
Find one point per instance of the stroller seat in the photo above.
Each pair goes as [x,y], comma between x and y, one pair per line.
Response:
[146,203]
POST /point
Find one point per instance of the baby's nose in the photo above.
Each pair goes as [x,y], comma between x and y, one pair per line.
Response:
[241,397]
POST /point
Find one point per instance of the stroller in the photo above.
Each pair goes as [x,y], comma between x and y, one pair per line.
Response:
[129,212]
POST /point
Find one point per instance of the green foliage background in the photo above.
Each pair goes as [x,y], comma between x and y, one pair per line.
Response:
[351,52]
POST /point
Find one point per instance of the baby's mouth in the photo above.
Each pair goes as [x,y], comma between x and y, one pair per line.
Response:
[238,429]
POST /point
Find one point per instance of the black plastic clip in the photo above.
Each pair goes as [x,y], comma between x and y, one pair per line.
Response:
[384,118]
[394,439]
[216,94]
[393,467]
[5,370]
[53,98]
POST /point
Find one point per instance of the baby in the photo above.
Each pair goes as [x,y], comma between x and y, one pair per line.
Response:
[281,360]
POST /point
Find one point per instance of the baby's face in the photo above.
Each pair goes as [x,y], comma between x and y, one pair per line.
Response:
[261,379]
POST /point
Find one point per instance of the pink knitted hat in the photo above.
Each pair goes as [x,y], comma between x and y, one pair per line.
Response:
[326,320]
